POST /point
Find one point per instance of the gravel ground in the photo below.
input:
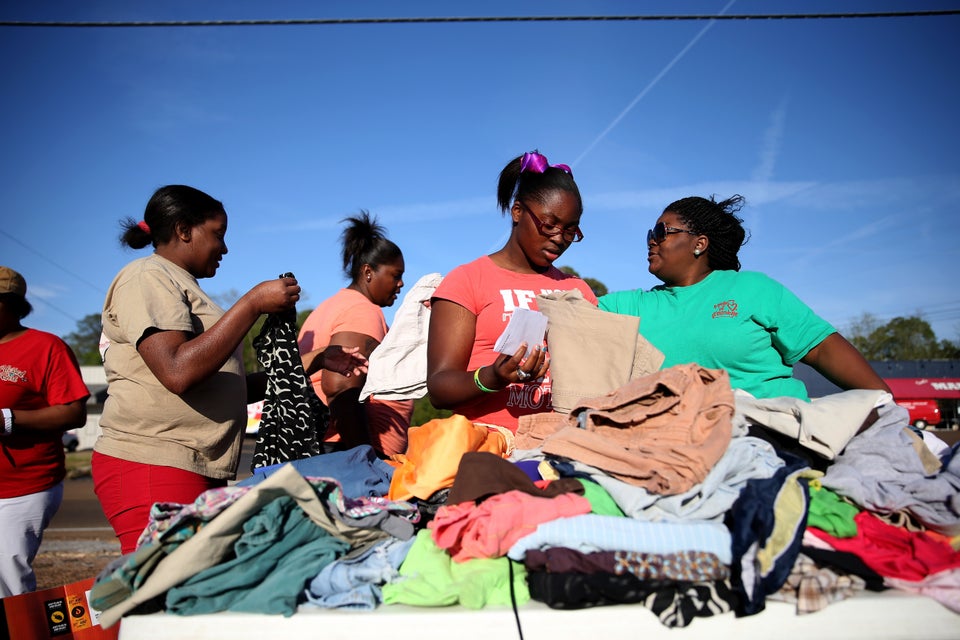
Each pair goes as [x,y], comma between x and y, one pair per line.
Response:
[65,561]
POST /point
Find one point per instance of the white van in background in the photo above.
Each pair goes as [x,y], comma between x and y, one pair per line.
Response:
[83,438]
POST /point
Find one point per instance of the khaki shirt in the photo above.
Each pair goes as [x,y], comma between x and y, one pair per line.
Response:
[200,431]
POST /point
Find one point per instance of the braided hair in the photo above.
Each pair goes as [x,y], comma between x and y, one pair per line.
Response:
[717,221]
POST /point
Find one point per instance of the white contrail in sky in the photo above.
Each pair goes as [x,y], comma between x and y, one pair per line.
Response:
[772,139]
[769,153]
[639,97]
[650,86]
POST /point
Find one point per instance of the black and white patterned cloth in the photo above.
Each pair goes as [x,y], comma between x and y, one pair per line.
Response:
[294,419]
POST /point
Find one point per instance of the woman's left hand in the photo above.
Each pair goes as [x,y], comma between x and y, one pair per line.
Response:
[347,361]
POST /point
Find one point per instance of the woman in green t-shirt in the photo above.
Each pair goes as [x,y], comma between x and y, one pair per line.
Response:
[709,312]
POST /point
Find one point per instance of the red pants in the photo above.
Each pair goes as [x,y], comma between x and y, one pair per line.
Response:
[127,491]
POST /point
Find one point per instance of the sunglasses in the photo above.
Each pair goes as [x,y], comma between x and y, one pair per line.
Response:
[570,234]
[660,232]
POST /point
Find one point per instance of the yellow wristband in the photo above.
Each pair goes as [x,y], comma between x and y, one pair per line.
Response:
[476,380]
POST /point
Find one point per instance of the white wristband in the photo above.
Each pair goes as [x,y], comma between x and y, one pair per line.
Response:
[7,421]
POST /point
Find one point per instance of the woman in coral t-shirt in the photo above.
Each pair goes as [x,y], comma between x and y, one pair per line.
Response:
[475,301]
[353,317]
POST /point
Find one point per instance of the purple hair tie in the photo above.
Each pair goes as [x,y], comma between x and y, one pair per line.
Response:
[537,163]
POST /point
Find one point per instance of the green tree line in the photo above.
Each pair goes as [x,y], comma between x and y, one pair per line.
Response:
[903,338]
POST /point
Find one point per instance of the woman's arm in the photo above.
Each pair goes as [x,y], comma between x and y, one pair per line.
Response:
[840,363]
[180,360]
[449,344]
[61,417]
[347,361]
[347,414]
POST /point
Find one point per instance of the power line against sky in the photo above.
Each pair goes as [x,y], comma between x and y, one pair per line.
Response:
[480,19]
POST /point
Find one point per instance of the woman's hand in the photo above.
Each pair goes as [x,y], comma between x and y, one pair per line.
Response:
[347,361]
[519,369]
[274,296]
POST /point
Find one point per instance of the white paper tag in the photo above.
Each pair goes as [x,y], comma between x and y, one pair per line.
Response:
[525,326]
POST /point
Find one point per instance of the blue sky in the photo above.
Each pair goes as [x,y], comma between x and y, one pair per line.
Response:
[841,134]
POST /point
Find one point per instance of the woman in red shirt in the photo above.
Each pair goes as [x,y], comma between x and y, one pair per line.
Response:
[41,395]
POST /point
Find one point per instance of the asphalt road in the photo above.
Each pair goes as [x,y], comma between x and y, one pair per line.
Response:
[80,517]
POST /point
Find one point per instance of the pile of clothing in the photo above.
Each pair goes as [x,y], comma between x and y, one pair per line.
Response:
[673,492]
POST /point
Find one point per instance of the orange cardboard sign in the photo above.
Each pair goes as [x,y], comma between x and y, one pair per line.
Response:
[60,613]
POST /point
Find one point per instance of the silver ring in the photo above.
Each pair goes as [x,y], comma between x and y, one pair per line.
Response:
[522,375]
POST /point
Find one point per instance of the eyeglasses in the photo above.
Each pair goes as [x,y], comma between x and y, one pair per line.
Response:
[660,232]
[570,234]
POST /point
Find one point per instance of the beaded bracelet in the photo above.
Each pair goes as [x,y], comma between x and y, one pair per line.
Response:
[476,380]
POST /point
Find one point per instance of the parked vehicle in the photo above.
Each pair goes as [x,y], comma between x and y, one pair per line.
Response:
[254,413]
[923,413]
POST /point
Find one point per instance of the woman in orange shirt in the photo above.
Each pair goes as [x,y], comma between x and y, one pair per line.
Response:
[352,317]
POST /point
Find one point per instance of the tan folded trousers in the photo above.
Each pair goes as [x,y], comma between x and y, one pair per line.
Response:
[592,351]
[663,432]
